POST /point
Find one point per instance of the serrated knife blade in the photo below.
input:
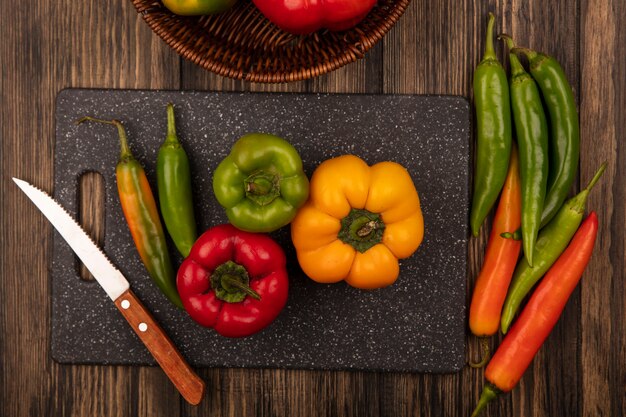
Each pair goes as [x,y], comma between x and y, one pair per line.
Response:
[117,287]
[108,276]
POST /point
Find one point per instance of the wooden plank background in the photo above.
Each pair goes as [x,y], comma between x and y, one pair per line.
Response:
[50,45]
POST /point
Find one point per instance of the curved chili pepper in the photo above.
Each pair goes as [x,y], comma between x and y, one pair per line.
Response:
[234,281]
[142,216]
[500,259]
[552,240]
[493,132]
[564,129]
[543,310]
[174,186]
[531,130]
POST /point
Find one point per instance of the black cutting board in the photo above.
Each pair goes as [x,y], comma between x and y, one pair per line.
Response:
[416,325]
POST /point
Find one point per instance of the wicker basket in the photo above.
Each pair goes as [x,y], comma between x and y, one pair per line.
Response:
[243,44]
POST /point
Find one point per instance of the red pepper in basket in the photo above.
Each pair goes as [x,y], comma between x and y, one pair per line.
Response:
[233,281]
[539,316]
[306,16]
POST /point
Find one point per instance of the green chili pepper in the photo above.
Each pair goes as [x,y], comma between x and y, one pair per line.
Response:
[493,131]
[261,183]
[531,129]
[552,241]
[174,185]
[564,130]
[142,216]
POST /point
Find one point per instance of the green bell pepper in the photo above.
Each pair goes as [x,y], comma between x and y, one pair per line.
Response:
[198,7]
[261,183]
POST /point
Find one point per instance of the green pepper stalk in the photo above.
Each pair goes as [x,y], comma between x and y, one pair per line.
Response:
[493,132]
[174,186]
[531,128]
[362,229]
[261,183]
[552,241]
[142,216]
[564,129]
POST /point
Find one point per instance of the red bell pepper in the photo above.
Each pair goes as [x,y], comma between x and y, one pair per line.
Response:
[233,281]
[536,321]
[307,16]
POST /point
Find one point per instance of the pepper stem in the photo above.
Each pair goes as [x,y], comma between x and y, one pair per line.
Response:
[510,43]
[597,176]
[361,229]
[486,354]
[229,280]
[262,187]
[530,54]
[124,149]
[171,121]
[231,283]
[489,50]
[516,66]
[489,394]
[171,139]
[367,228]
[259,186]
[579,201]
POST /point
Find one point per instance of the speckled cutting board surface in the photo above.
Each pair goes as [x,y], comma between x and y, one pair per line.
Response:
[416,325]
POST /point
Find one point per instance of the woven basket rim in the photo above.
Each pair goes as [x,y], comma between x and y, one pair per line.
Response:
[362,39]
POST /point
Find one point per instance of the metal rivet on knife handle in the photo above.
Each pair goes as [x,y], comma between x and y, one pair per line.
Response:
[161,347]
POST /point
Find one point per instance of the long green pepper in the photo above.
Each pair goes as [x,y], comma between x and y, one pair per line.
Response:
[493,131]
[552,241]
[174,186]
[564,139]
[531,129]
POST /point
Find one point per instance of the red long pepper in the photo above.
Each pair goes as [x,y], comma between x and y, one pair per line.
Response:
[539,316]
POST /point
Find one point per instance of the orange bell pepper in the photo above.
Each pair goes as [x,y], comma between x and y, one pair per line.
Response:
[358,221]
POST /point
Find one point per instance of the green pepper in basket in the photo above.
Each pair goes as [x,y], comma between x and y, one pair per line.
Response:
[261,183]
[198,7]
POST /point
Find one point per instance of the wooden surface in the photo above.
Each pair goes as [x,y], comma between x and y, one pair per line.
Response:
[50,45]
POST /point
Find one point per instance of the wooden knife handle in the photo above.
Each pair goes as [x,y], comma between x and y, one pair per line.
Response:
[161,347]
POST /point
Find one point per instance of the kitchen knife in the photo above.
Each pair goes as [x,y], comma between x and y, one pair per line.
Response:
[117,287]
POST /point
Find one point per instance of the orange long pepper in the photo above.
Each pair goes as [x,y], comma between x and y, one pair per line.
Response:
[539,316]
[142,216]
[500,258]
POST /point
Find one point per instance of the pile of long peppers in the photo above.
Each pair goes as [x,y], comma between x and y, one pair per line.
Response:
[140,207]
[532,180]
